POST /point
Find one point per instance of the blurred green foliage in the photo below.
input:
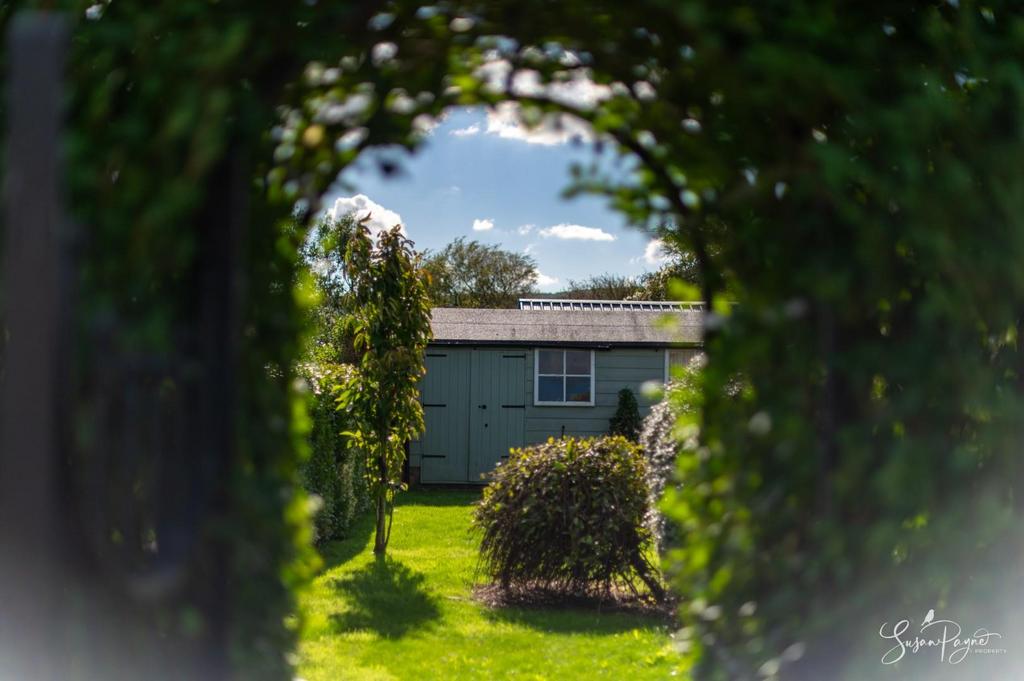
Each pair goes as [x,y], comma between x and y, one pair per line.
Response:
[849,174]
[171,112]
[671,426]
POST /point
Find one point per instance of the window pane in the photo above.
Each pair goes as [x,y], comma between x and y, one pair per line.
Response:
[550,361]
[577,389]
[577,362]
[549,389]
[680,358]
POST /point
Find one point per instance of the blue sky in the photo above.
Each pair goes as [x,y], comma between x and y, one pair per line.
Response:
[482,176]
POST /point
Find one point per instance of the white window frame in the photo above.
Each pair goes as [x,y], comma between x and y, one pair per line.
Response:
[536,382]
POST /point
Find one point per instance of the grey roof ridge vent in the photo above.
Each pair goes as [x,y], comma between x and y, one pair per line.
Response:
[579,305]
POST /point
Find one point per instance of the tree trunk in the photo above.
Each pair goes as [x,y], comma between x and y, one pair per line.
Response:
[649,577]
[380,541]
[380,545]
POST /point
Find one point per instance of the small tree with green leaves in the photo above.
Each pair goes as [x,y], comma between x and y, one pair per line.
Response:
[390,326]
[626,419]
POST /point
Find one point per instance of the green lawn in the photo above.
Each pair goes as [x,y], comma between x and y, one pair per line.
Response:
[412,616]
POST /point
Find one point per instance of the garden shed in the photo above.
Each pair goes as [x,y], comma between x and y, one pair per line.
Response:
[498,379]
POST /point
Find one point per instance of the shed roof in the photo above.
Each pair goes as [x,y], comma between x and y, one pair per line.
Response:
[474,326]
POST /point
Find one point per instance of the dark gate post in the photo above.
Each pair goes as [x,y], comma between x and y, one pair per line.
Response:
[72,604]
[35,319]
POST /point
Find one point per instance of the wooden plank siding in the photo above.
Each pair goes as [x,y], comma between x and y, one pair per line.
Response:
[444,393]
[449,382]
[614,370]
[496,408]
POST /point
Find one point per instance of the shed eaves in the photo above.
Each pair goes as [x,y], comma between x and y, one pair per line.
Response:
[453,326]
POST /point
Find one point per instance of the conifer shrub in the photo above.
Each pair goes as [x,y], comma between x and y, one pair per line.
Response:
[568,515]
[626,420]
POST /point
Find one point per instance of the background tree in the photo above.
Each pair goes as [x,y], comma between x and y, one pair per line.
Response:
[390,325]
[607,286]
[681,268]
[678,265]
[329,340]
[471,274]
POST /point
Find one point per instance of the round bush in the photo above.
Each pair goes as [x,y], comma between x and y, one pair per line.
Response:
[568,515]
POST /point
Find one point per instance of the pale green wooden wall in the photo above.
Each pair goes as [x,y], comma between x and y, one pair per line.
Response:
[614,369]
[448,371]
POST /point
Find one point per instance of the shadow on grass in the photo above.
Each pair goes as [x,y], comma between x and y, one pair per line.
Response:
[341,551]
[577,620]
[360,535]
[387,597]
[560,612]
[439,496]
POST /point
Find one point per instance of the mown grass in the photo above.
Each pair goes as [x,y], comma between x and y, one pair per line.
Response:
[412,615]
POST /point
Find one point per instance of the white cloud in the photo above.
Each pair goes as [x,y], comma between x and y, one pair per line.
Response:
[523,230]
[468,131]
[655,253]
[529,248]
[577,232]
[362,205]
[544,280]
[483,225]
[425,124]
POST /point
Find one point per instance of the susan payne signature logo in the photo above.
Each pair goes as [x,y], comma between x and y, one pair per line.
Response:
[942,637]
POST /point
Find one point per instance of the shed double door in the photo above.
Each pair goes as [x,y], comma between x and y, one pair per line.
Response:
[474,409]
[497,408]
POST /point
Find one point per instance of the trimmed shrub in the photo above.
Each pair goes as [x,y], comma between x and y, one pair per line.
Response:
[670,422]
[334,471]
[626,420]
[568,515]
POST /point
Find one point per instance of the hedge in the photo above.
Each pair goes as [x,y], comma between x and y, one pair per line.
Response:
[334,473]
